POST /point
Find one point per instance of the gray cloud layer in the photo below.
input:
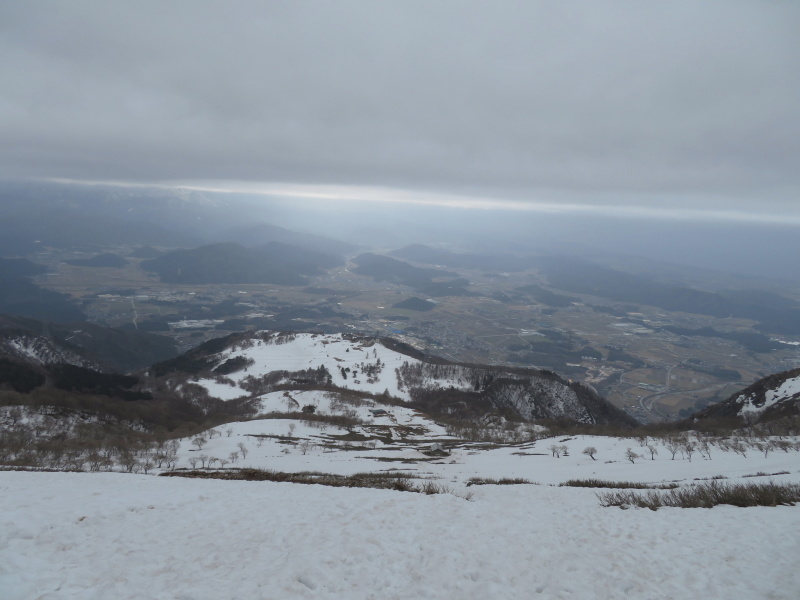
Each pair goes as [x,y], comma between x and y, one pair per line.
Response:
[552,100]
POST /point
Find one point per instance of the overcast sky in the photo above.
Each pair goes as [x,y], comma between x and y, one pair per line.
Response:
[659,105]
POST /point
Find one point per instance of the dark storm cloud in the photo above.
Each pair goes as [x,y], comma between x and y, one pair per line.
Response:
[509,99]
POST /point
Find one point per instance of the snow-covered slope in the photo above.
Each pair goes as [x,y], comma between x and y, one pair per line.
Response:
[402,438]
[353,363]
[40,350]
[767,399]
[134,537]
[787,392]
[255,364]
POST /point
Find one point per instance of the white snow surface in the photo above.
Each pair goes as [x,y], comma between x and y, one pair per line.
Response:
[133,537]
[276,444]
[137,537]
[366,365]
[223,391]
[788,389]
[25,349]
[311,351]
[100,536]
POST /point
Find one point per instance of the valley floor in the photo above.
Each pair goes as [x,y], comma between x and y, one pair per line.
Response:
[110,535]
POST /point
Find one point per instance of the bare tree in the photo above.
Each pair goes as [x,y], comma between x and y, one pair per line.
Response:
[128,461]
[653,451]
[171,452]
[242,449]
[564,450]
[688,449]
[199,441]
[782,445]
[74,459]
[764,447]
[203,459]
[590,452]
[705,448]
[750,419]
[673,446]
[193,462]
[159,457]
[739,447]
[229,431]
[631,455]
[556,450]
[95,460]
[108,451]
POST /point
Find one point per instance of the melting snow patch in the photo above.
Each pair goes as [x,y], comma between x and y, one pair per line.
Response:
[787,390]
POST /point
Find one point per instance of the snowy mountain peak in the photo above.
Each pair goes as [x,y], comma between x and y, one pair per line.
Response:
[247,366]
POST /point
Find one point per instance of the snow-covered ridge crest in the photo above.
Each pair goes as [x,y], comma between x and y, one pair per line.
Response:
[256,364]
[774,397]
[783,393]
[42,350]
[351,362]
[526,393]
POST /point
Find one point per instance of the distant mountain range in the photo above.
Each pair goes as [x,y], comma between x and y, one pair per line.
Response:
[20,296]
[391,270]
[547,297]
[69,216]
[275,262]
[35,215]
[775,313]
[260,234]
[420,253]
[422,279]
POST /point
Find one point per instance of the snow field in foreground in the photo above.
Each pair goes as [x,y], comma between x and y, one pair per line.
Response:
[101,536]
[532,461]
